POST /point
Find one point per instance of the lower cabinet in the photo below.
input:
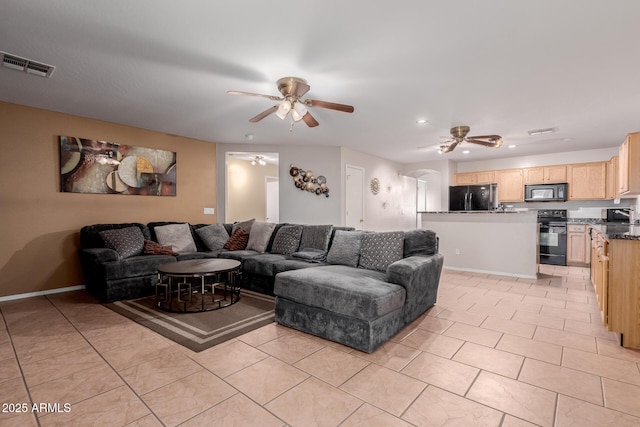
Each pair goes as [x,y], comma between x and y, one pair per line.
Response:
[578,245]
[614,272]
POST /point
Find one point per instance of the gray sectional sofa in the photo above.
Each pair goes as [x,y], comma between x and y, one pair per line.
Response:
[356,288]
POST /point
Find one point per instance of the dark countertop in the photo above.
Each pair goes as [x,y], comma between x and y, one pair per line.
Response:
[618,230]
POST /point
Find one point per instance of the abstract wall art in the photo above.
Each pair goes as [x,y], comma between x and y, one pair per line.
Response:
[101,167]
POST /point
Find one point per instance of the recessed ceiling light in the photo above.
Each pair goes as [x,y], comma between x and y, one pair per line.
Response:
[512,146]
[567,139]
[249,136]
[466,152]
[541,131]
[422,121]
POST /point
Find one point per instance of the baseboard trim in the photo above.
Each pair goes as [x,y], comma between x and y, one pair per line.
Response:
[496,273]
[41,293]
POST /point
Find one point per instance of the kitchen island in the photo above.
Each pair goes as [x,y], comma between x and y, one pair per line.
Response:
[493,242]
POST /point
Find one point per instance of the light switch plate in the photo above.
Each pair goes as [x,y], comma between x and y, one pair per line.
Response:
[209,211]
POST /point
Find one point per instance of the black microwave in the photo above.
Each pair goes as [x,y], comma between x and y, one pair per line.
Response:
[545,193]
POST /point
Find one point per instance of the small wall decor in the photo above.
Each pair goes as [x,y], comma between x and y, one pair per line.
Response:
[304,180]
[101,167]
[374,185]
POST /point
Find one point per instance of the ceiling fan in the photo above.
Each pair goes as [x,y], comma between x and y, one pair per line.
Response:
[292,89]
[459,134]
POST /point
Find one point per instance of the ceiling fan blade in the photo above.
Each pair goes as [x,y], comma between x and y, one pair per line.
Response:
[271,97]
[264,114]
[493,141]
[309,120]
[330,105]
[450,147]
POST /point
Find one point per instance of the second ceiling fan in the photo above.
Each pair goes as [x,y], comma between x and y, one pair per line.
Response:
[459,134]
[292,89]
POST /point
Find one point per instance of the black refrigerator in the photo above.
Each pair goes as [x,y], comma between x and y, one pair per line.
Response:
[473,197]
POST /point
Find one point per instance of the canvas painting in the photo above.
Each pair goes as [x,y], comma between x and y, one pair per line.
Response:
[101,167]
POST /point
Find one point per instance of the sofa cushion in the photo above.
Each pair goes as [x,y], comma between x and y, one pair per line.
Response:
[379,250]
[155,248]
[315,237]
[293,264]
[287,240]
[260,235]
[353,292]
[345,248]
[135,266]
[240,255]
[238,240]
[128,241]
[310,255]
[214,236]
[420,242]
[262,264]
[178,236]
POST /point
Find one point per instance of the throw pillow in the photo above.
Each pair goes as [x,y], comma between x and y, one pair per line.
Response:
[214,236]
[315,237]
[127,241]
[238,240]
[379,250]
[345,248]
[178,236]
[287,240]
[155,248]
[260,235]
[243,224]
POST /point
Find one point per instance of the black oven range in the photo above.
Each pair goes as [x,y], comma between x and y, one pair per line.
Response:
[553,236]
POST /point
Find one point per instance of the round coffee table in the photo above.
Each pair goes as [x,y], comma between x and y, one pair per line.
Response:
[198,285]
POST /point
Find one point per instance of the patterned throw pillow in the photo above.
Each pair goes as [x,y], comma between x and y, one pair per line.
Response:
[287,240]
[260,235]
[154,248]
[345,248]
[214,236]
[178,236]
[128,241]
[237,241]
[379,250]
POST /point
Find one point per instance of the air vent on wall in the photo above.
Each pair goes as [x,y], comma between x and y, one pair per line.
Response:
[23,64]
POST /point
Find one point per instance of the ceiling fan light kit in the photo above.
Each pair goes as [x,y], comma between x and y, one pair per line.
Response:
[459,134]
[292,90]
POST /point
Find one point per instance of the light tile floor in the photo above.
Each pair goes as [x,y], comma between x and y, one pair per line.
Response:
[494,351]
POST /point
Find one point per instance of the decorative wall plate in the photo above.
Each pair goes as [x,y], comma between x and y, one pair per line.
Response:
[375,186]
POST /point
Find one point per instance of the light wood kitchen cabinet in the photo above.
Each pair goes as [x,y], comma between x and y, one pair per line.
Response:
[510,185]
[545,174]
[629,166]
[465,178]
[587,181]
[612,178]
[614,274]
[578,244]
[600,274]
[487,177]
[473,178]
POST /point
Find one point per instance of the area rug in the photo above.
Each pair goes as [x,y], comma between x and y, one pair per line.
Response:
[199,331]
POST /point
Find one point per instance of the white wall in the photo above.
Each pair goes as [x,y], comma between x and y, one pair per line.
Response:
[296,206]
[394,207]
[246,195]
[585,156]
[440,173]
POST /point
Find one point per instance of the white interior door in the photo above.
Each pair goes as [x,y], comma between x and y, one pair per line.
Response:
[355,197]
[272,199]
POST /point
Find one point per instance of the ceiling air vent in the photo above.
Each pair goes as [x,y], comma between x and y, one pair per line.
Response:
[23,64]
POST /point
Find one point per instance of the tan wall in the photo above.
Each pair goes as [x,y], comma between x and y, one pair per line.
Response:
[246,189]
[40,225]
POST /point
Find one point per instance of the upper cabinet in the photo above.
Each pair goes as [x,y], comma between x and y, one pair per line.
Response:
[612,178]
[587,181]
[629,166]
[545,174]
[472,178]
[510,185]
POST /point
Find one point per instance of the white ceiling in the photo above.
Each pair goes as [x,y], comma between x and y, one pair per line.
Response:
[498,66]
